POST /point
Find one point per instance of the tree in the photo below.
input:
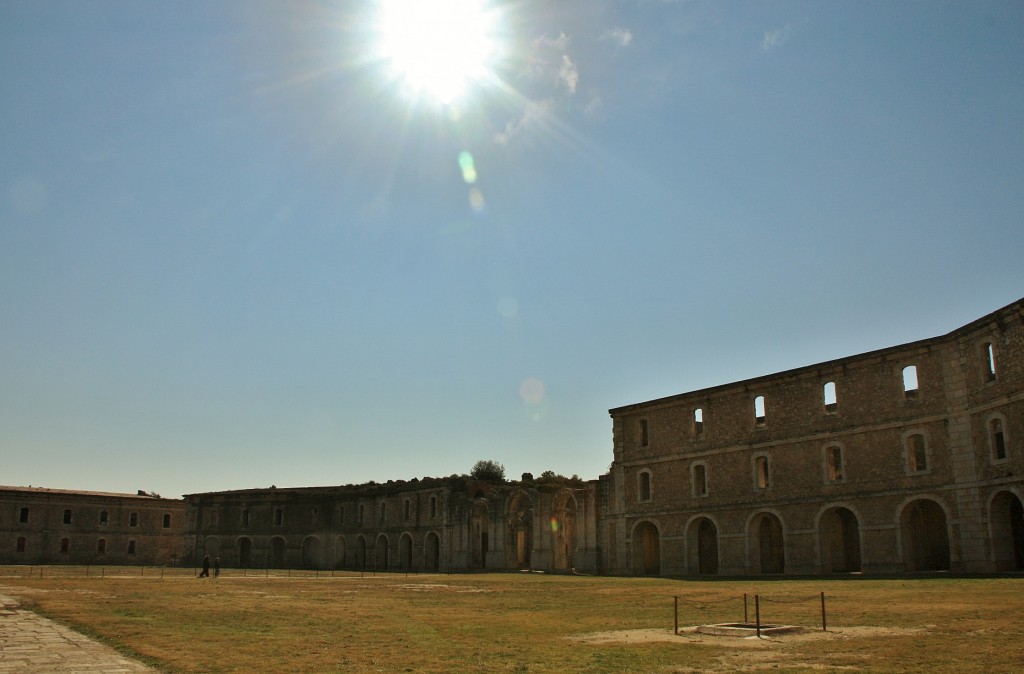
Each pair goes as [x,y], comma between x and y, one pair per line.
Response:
[491,471]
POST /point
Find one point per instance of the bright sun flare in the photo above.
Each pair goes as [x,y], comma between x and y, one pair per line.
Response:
[437,47]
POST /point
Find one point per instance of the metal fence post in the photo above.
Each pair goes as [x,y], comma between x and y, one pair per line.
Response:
[676,614]
[823,624]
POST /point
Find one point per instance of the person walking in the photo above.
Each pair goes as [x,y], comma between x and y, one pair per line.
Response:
[206,567]
[216,567]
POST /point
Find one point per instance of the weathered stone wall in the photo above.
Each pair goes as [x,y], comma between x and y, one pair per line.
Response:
[52,526]
[876,478]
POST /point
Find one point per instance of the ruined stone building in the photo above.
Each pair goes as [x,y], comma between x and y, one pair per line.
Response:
[905,459]
[58,526]
[445,524]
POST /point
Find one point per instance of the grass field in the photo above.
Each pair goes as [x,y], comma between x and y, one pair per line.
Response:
[532,622]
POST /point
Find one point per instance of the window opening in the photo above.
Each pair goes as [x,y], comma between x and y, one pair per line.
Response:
[101,546]
[21,544]
[700,480]
[104,517]
[383,511]
[998,439]
[245,517]
[834,462]
[643,433]
[278,517]
[131,547]
[645,486]
[698,422]
[23,516]
[910,382]
[65,546]
[361,513]
[759,411]
[433,506]
[167,520]
[761,472]
[406,508]
[830,397]
[990,362]
[917,453]
[67,517]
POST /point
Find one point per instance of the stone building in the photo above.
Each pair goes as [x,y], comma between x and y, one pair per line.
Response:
[58,526]
[904,459]
[443,524]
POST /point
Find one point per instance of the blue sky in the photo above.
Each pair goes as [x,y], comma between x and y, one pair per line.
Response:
[237,249]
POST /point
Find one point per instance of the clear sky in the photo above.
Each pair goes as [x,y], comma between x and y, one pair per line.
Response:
[311,243]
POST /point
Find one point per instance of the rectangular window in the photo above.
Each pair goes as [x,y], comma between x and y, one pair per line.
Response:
[698,422]
[433,507]
[278,517]
[998,439]
[917,453]
[910,382]
[167,520]
[21,544]
[644,439]
[761,473]
[990,362]
[700,480]
[829,393]
[406,506]
[759,411]
[67,517]
[101,546]
[133,519]
[131,547]
[645,486]
[834,463]
[104,517]
[246,518]
[23,516]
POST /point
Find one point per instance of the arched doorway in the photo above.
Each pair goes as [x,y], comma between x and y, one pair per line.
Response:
[405,552]
[244,552]
[520,532]
[647,549]
[276,553]
[312,556]
[339,552]
[839,534]
[432,552]
[767,544]
[702,536]
[381,558]
[1006,521]
[925,536]
[563,530]
[360,560]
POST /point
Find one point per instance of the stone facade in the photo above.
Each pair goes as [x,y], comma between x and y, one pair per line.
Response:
[448,524]
[905,459]
[55,526]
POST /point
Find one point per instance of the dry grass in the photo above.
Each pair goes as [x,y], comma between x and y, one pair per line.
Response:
[535,623]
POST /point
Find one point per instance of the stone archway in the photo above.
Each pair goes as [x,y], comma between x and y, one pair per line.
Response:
[405,552]
[839,535]
[702,536]
[520,532]
[381,553]
[1006,522]
[339,552]
[360,560]
[925,536]
[244,552]
[563,531]
[432,552]
[767,544]
[646,549]
[312,553]
[277,549]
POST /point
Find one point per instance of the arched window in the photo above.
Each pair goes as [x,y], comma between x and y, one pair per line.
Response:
[698,422]
[762,472]
[910,387]
[835,468]
[759,414]
[829,395]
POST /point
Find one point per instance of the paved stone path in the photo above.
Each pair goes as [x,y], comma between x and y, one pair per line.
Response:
[31,644]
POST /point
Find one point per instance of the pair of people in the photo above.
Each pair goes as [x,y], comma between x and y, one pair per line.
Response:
[205,573]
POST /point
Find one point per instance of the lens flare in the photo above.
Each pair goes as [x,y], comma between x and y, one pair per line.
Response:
[554,524]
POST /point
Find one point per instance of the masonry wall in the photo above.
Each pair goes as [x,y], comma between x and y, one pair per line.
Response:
[878,477]
[52,526]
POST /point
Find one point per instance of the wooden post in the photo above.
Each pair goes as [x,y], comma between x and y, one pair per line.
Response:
[677,614]
[745,619]
[757,613]
[823,624]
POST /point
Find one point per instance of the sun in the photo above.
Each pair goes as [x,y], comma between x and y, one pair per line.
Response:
[436,48]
